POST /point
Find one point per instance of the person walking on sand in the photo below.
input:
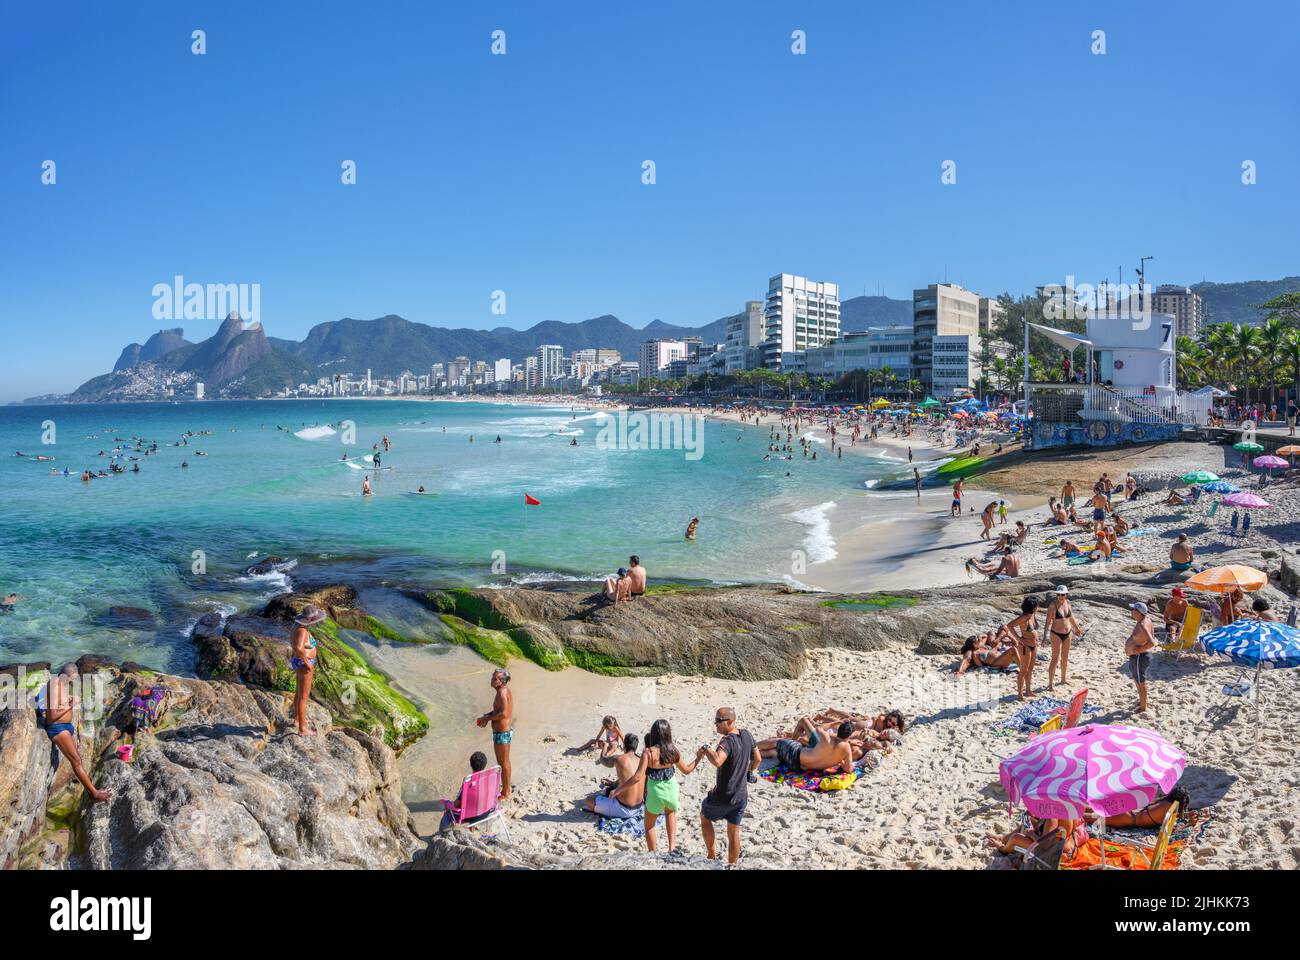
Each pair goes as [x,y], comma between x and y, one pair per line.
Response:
[916,480]
[735,757]
[956,498]
[303,662]
[1292,411]
[1063,627]
[56,707]
[501,716]
[1141,641]
[986,518]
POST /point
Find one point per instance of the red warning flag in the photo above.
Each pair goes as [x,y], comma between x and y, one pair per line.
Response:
[532,501]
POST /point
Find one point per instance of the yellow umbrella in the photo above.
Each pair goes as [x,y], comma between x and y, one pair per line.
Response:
[1225,579]
[879,403]
[1289,451]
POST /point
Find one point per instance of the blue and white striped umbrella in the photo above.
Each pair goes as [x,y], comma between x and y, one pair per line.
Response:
[1256,643]
[1221,486]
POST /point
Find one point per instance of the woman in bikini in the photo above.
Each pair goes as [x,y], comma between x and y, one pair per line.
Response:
[1073,833]
[984,651]
[303,662]
[1062,626]
[1024,630]
[1153,814]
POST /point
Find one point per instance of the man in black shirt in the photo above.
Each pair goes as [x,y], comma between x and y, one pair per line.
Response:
[734,758]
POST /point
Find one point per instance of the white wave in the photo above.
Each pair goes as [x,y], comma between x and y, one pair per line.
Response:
[799,585]
[315,433]
[813,438]
[818,543]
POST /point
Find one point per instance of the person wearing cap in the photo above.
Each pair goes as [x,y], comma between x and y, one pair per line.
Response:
[1062,627]
[619,586]
[1138,647]
[303,661]
[1175,613]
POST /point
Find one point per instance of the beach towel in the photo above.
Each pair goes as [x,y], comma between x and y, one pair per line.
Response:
[1032,716]
[812,780]
[1140,531]
[623,826]
[1121,855]
[1184,832]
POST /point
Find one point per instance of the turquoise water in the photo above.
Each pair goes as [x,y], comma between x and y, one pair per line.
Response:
[73,549]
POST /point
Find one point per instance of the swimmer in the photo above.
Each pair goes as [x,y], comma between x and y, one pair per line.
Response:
[691,527]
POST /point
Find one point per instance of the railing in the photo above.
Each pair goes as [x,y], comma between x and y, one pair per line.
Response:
[1072,403]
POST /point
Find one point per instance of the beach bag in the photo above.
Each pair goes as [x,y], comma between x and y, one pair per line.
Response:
[149,705]
[838,783]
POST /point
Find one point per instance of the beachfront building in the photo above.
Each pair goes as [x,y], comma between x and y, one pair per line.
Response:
[550,363]
[799,314]
[531,380]
[941,310]
[198,391]
[625,373]
[658,354]
[1183,304]
[501,374]
[744,338]
[456,372]
[955,365]
[870,350]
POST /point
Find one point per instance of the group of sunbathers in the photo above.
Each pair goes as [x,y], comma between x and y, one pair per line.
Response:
[832,741]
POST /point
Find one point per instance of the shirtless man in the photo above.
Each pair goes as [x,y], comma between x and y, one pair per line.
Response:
[627,794]
[1067,494]
[1181,554]
[1005,569]
[636,573]
[1141,641]
[824,751]
[57,706]
[365,487]
[501,717]
[1175,613]
[956,497]
[1100,503]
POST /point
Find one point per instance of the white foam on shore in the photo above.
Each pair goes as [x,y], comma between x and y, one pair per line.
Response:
[818,543]
[315,433]
[814,438]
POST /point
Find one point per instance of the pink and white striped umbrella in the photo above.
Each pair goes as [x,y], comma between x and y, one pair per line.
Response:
[1247,501]
[1270,462]
[1109,769]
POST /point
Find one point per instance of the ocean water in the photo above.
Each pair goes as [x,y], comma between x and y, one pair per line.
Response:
[270,481]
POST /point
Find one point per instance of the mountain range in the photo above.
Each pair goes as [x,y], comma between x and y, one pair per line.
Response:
[242,361]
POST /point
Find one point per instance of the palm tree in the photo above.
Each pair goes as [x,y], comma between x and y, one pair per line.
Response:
[1245,349]
[913,386]
[1271,350]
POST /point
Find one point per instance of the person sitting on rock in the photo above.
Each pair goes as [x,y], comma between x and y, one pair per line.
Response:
[56,706]
[618,587]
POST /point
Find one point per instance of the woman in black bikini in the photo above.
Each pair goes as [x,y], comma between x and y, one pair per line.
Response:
[1062,626]
[1024,630]
[1153,814]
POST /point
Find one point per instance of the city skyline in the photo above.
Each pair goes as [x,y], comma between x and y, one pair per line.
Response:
[473,180]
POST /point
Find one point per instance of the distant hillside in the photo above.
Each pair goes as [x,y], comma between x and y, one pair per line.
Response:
[1231,302]
[155,348]
[858,313]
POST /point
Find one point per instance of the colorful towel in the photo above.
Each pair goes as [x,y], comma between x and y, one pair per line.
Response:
[623,826]
[1121,855]
[812,781]
[1033,715]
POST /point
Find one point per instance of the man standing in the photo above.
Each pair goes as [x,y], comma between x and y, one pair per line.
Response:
[1291,412]
[501,717]
[1138,649]
[57,706]
[916,480]
[956,497]
[734,758]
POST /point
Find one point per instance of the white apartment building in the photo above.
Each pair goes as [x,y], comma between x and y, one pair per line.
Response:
[941,310]
[744,339]
[1183,304]
[625,373]
[198,391]
[550,362]
[658,354]
[531,379]
[955,365]
[799,314]
[501,373]
[872,349]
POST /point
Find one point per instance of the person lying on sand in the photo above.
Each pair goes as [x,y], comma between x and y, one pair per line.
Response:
[1073,832]
[1005,569]
[823,752]
[1153,814]
[881,724]
[1174,499]
[1070,549]
[985,651]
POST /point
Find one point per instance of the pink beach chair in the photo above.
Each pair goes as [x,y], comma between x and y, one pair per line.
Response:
[479,796]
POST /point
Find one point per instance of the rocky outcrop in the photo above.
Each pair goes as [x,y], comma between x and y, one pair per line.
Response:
[255,650]
[222,782]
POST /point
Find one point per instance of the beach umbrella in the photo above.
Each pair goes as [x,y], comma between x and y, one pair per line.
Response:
[1270,463]
[1290,450]
[1200,476]
[1110,769]
[1247,446]
[1247,501]
[1228,578]
[1262,644]
[929,402]
[1221,486]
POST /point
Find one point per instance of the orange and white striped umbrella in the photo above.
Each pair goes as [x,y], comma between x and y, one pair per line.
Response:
[1224,579]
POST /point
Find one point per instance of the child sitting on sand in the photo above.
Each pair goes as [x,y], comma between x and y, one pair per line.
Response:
[607,739]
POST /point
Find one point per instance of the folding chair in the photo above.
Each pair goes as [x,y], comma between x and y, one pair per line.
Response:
[1186,638]
[478,805]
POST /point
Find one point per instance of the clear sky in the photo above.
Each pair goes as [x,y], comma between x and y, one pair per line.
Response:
[523,172]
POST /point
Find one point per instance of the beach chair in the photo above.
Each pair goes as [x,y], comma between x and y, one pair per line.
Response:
[1186,638]
[1075,713]
[478,805]
[1166,834]
[1045,854]
[1052,723]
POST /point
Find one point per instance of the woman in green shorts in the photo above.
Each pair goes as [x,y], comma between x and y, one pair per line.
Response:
[657,762]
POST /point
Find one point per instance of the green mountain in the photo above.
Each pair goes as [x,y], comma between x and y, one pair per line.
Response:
[1233,302]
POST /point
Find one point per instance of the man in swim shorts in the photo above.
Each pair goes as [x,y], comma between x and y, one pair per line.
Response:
[501,717]
[1138,648]
[626,797]
[56,706]
[636,573]
[823,751]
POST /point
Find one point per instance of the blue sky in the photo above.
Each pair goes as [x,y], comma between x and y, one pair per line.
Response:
[523,172]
